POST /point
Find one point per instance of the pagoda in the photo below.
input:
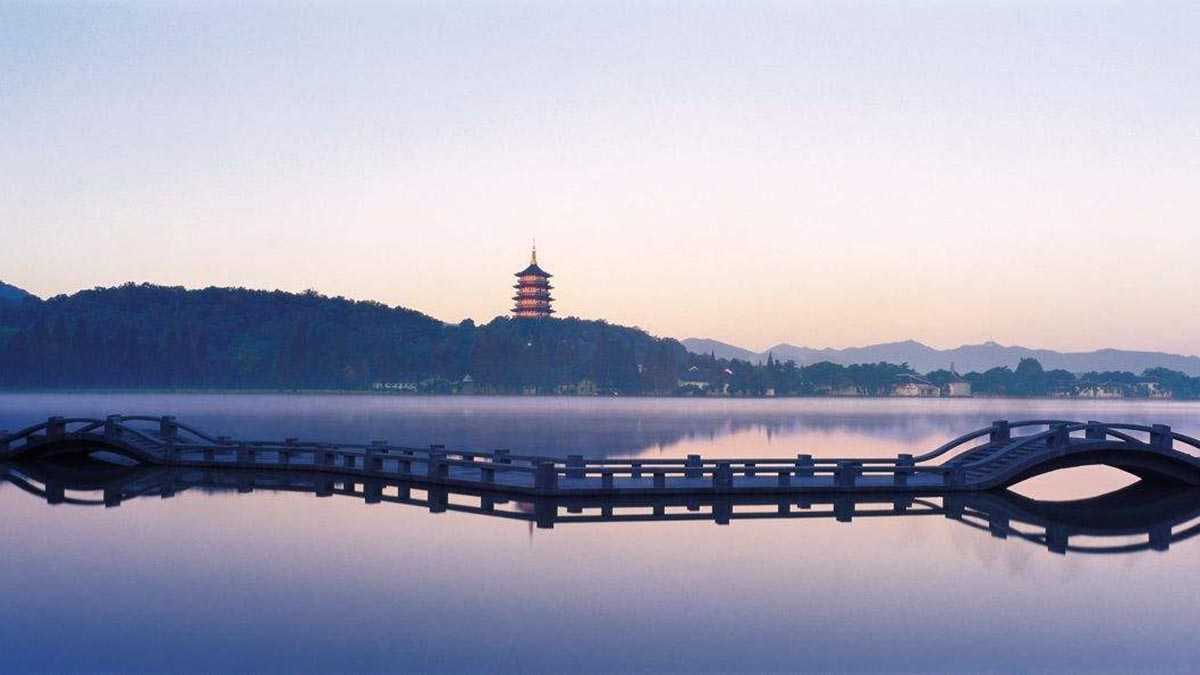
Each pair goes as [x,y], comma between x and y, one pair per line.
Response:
[533,291]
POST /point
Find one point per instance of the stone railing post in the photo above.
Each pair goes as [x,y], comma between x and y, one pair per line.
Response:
[575,469]
[1001,432]
[804,466]
[845,474]
[167,427]
[55,426]
[904,469]
[1160,437]
[723,476]
[693,465]
[1095,431]
[1060,439]
[112,426]
[545,478]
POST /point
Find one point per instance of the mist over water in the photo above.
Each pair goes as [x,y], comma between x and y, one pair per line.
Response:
[276,581]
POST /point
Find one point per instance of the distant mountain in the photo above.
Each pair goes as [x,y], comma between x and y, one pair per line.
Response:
[965,358]
[11,293]
[721,350]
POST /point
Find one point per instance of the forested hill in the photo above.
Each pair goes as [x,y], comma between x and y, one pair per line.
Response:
[140,335]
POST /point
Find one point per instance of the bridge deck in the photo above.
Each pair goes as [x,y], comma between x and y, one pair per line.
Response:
[980,460]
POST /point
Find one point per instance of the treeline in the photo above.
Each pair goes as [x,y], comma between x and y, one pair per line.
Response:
[145,336]
[706,375]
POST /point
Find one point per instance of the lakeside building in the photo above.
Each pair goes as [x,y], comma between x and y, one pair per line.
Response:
[533,291]
[913,386]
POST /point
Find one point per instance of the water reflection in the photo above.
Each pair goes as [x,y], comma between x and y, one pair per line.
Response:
[1142,516]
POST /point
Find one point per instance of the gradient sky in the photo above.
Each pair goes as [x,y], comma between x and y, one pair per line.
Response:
[828,174]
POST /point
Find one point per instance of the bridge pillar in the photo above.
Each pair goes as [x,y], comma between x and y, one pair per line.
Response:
[323,486]
[55,493]
[112,498]
[373,492]
[954,506]
[1160,537]
[785,479]
[1096,431]
[545,477]
[722,511]
[1057,539]
[723,476]
[843,509]
[545,512]
[998,526]
[804,466]
[245,484]
[55,426]
[575,467]
[1160,437]
[170,452]
[1001,432]
[439,499]
[501,457]
[693,465]
[244,454]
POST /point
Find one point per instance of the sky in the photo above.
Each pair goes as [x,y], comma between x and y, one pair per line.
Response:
[824,174]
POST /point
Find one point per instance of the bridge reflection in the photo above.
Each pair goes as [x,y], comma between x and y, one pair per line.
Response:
[1144,516]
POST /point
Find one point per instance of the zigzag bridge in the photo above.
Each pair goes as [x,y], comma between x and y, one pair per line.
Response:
[994,457]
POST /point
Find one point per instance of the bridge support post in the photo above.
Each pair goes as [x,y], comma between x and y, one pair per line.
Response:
[722,511]
[55,493]
[1096,431]
[1057,539]
[545,478]
[545,512]
[1160,538]
[1160,437]
[575,467]
[843,509]
[693,467]
[998,526]
[170,452]
[439,499]
[723,476]
[954,506]
[244,454]
[785,479]
[1001,432]
[373,492]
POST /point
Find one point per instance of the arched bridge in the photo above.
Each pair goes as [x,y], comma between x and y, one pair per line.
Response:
[997,456]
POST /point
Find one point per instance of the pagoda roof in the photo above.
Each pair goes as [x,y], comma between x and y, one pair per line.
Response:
[533,270]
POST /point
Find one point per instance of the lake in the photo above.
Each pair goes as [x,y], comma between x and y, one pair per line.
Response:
[266,580]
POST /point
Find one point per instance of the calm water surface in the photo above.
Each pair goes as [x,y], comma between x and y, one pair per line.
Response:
[276,581]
